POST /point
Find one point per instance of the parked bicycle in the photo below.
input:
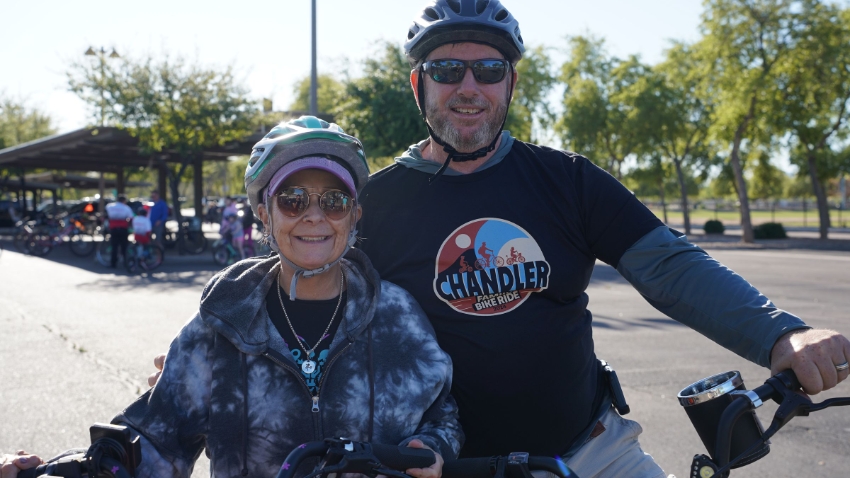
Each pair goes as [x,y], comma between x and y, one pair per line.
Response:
[194,240]
[223,252]
[43,238]
[151,257]
[22,229]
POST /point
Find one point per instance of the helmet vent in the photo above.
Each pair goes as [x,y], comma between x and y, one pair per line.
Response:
[412,32]
[501,15]
[431,13]
[481,5]
[454,5]
[518,35]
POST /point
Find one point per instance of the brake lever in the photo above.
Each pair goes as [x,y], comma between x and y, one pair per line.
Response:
[389,472]
[353,463]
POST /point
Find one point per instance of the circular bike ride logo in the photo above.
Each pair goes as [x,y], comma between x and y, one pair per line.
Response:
[488,267]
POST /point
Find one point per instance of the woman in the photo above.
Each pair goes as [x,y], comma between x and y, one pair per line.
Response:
[298,346]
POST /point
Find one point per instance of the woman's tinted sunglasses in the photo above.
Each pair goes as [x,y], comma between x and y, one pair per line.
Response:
[450,71]
[294,200]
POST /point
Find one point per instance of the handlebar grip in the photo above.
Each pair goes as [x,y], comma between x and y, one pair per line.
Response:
[789,379]
[773,387]
[401,457]
[33,472]
[467,468]
[300,453]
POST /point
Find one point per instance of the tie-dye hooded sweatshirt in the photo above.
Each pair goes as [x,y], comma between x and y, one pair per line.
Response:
[230,384]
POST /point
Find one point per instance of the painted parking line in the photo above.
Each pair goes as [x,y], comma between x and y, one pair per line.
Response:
[840,257]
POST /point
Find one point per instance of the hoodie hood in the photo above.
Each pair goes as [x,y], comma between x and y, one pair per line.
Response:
[233,302]
[412,158]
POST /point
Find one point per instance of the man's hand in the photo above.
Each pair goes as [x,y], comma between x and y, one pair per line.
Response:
[158,362]
[433,471]
[10,465]
[813,355]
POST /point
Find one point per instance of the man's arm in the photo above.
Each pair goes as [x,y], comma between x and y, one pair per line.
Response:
[685,283]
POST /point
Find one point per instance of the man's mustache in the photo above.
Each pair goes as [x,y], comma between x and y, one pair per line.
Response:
[468,102]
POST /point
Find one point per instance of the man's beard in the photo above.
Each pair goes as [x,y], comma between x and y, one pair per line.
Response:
[481,138]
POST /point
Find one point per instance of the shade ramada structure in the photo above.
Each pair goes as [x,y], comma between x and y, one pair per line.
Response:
[109,150]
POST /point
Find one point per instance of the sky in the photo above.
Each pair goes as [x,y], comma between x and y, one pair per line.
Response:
[268,43]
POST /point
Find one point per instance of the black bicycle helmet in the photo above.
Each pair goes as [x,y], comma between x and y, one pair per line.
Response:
[477,21]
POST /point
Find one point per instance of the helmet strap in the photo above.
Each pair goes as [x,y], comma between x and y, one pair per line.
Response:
[453,154]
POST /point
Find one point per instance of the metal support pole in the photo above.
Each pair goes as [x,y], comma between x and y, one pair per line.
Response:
[102,85]
[198,170]
[119,181]
[314,77]
[101,203]
[161,183]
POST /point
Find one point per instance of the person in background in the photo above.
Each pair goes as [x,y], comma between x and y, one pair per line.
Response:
[141,230]
[247,223]
[158,216]
[233,228]
[229,207]
[119,215]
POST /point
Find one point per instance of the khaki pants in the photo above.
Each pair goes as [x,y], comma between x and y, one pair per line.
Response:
[614,453]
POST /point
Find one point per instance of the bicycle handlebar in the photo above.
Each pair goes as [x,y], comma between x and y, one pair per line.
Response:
[76,466]
[345,456]
[488,466]
[342,456]
[113,452]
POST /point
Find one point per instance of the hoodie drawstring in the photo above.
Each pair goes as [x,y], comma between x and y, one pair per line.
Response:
[245,415]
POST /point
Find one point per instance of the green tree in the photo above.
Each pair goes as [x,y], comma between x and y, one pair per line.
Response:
[329,93]
[651,178]
[379,107]
[529,108]
[813,95]
[225,178]
[743,42]
[174,109]
[723,185]
[597,120]
[20,123]
[676,117]
[768,181]
[585,76]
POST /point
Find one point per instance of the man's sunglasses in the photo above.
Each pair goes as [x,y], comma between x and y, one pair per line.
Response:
[294,200]
[450,71]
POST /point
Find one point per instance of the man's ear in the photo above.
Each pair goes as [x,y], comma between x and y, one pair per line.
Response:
[414,83]
[514,79]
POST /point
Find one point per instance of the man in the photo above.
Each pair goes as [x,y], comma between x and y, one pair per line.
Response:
[158,216]
[529,321]
[119,215]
